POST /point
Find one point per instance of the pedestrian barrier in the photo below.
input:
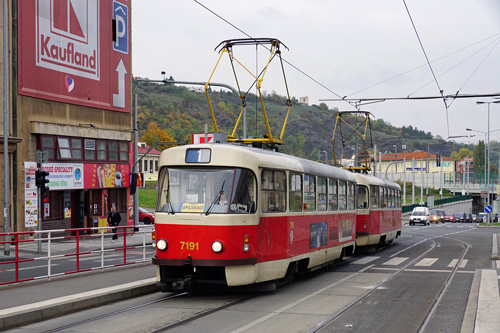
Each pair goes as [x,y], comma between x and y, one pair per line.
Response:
[90,248]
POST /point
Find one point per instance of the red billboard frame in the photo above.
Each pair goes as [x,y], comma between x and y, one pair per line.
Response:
[76,52]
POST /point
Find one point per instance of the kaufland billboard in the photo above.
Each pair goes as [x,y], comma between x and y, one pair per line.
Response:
[76,51]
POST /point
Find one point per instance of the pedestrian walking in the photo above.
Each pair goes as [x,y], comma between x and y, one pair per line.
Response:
[114,220]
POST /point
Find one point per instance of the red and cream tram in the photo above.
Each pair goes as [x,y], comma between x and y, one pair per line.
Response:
[378,213]
[238,215]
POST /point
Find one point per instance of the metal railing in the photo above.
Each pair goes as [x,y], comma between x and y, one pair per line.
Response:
[89,248]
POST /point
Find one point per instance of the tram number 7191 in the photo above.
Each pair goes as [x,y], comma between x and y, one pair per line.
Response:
[189,246]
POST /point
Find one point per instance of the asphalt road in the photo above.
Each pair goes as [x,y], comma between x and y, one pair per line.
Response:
[406,287]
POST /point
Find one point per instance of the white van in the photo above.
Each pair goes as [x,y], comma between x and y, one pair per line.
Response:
[420,215]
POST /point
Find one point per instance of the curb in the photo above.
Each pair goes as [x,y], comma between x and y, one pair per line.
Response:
[28,314]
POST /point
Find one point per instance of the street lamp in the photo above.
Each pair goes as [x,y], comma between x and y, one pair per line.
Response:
[488,172]
[471,130]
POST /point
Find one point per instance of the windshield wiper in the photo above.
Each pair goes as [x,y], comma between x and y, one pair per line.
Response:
[216,199]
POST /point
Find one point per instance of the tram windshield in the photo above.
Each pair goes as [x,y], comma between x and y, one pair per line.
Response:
[206,190]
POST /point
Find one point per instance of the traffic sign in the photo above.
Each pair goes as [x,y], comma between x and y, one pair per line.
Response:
[488,209]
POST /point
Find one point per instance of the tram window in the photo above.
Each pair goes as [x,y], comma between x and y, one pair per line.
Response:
[381,197]
[273,191]
[342,195]
[393,199]
[399,199]
[374,194]
[362,196]
[351,196]
[333,195]
[309,193]
[295,192]
[322,193]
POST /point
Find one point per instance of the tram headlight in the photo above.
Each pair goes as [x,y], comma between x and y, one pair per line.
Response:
[217,246]
[161,245]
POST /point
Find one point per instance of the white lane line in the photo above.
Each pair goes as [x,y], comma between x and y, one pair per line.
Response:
[426,262]
[395,261]
[365,260]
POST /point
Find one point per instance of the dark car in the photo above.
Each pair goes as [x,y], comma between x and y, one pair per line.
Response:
[449,218]
[460,217]
[145,216]
[437,215]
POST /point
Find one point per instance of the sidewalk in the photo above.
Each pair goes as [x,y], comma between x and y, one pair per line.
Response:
[39,300]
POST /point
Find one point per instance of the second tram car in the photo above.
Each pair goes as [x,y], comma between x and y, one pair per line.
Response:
[236,215]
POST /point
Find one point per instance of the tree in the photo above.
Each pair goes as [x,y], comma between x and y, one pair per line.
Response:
[479,157]
[462,153]
[154,134]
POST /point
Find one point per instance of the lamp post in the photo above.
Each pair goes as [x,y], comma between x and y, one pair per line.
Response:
[471,130]
[488,172]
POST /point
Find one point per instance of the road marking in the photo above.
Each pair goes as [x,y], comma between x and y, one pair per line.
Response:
[365,260]
[395,261]
[454,262]
[426,262]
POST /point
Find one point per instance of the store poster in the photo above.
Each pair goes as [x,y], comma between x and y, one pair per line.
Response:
[30,195]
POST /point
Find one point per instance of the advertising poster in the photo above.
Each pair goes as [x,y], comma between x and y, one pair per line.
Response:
[30,195]
[318,234]
[64,176]
[106,175]
[75,51]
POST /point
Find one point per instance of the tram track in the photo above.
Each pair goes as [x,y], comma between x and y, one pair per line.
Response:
[430,314]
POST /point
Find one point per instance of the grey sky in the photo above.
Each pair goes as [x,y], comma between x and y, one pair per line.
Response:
[349,46]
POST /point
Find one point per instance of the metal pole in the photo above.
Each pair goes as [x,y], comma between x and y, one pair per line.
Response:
[488,187]
[6,94]
[136,167]
[421,181]
[413,181]
[375,160]
[404,180]
[441,179]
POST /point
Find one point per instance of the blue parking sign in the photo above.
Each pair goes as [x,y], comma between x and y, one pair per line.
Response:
[120,26]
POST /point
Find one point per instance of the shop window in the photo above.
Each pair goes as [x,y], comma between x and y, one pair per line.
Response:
[151,166]
[76,148]
[124,151]
[64,148]
[89,150]
[118,197]
[113,150]
[101,151]
[48,145]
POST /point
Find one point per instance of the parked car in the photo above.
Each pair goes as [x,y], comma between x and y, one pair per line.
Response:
[437,215]
[449,218]
[145,216]
[459,217]
[474,218]
[419,215]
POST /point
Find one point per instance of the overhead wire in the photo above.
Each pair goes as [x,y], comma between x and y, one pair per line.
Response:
[284,60]
[430,67]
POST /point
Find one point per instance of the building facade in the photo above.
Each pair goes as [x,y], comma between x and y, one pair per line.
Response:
[148,161]
[68,110]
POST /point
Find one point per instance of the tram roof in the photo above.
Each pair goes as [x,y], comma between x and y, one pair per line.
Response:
[253,158]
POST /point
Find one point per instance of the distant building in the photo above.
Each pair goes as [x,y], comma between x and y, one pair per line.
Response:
[149,161]
[398,163]
[304,100]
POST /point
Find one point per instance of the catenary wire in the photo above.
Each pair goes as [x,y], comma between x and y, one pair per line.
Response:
[430,67]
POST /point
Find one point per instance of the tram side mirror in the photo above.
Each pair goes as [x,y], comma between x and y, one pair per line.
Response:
[251,207]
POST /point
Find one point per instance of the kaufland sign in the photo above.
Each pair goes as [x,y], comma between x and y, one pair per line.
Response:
[76,51]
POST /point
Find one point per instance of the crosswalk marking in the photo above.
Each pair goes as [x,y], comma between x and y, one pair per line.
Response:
[454,262]
[426,262]
[365,260]
[395,261]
